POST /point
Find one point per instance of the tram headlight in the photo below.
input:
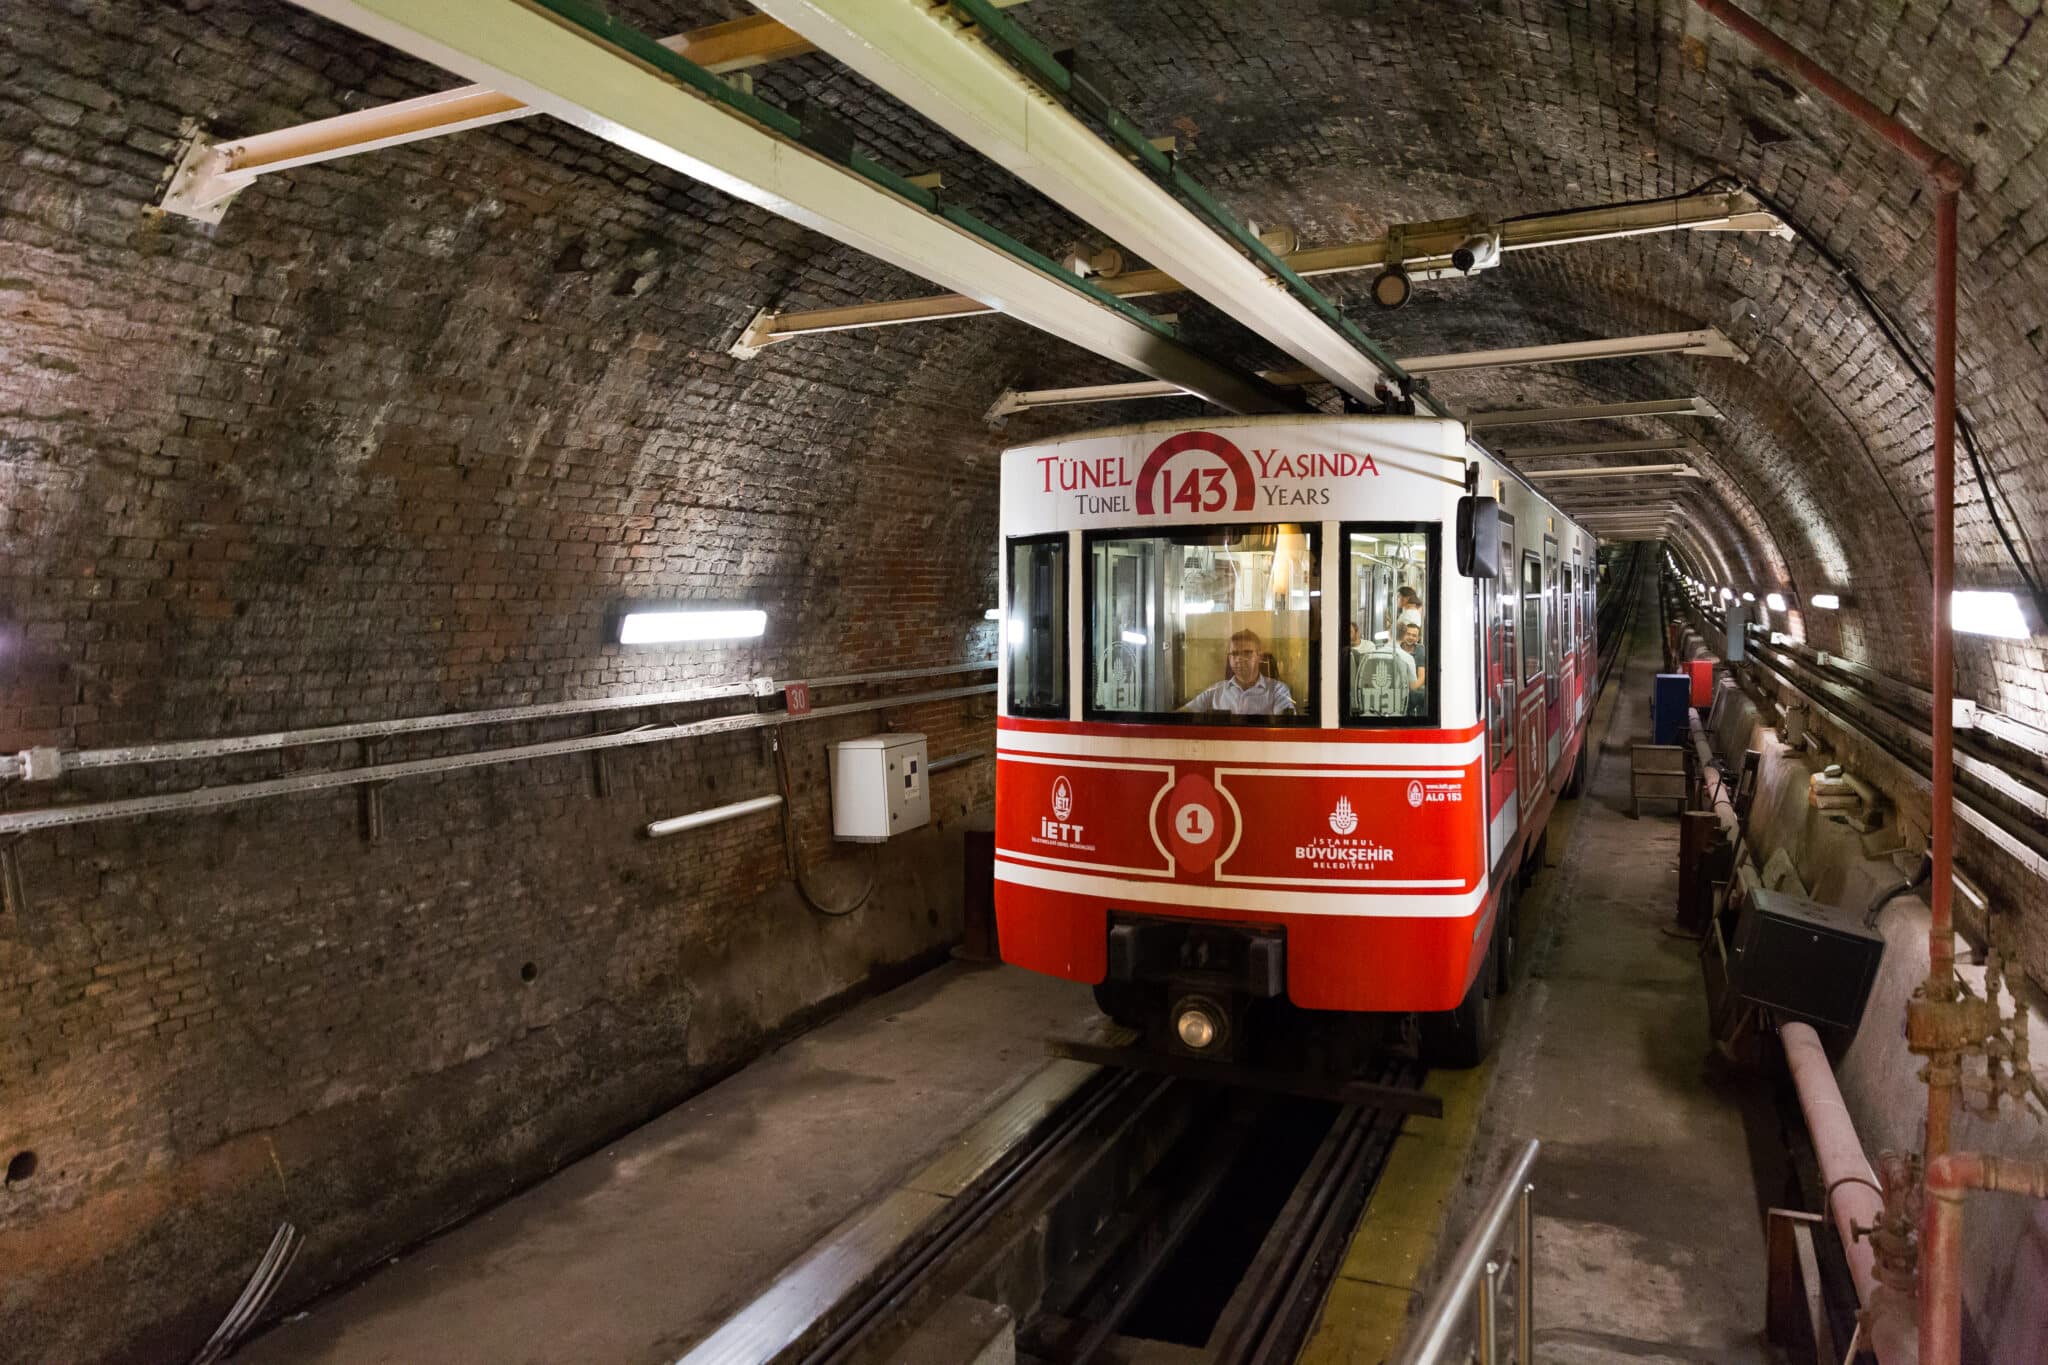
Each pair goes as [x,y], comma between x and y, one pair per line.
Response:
[1196,1029]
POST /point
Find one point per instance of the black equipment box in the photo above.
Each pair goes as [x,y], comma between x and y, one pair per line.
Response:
[1801,958]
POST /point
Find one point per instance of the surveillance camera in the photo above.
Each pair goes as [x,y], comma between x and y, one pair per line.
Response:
[1475,252]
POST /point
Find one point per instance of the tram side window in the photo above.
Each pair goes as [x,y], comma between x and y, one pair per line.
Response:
[1570,599]
[1532,617]
[1589,612]
[1205,623]
[1035,633]
[1500,666]
[1390,625]
[1553,658]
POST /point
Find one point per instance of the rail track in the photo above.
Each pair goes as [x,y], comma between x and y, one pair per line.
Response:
[1150,1218]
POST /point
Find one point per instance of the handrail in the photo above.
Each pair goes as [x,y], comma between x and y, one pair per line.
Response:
[1475,1261]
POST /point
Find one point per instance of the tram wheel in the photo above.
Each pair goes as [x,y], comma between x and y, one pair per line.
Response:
[1123,1002]
[1507,935]
[1461,1038]
[1576,783]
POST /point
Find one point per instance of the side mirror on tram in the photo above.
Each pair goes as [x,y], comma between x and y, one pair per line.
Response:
[1478,537]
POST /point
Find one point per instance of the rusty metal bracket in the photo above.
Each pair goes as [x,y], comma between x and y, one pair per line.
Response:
[600,765]
[13,893]
[373,799]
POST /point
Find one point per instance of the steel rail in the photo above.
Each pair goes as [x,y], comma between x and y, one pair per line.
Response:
[1903,729]
[1292,1313]
[299,784]
[2026,846]
[974,1211]
[194,750]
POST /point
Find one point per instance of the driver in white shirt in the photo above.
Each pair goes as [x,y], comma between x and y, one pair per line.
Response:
[1245,692]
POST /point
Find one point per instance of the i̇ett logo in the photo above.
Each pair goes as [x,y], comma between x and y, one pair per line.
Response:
[1414,793]
[1059,829]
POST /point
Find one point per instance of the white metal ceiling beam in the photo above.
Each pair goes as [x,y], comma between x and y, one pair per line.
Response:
[1593,412]
[1706,342]
[565,71]
[925,56]
[209,174]
[1641,447]
[1613,471]
[1424,246]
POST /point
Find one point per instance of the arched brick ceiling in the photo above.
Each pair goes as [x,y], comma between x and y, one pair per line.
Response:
[1345,117]
[1341,118]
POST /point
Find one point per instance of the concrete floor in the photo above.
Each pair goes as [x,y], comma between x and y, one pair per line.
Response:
[1649,1248]
[635,1253]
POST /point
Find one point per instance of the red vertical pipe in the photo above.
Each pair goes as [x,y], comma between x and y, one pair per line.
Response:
[1949,1178]
[1941,1265]
[1941,925]
[1945,173]
[1948,179]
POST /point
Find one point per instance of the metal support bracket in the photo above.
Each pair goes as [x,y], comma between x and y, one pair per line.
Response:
[600,765]
[373,799]
[757,336]
[199,184]
[13,893]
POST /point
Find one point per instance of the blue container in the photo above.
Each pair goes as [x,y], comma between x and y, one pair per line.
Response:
[1670,699]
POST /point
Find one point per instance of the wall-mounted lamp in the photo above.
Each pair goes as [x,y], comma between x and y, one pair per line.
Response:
[1825,601]
[681,624]
[1975,611]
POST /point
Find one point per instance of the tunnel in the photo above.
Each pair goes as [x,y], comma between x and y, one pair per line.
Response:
[488,488]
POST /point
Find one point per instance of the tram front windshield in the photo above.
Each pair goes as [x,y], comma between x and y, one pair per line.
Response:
[1208,624]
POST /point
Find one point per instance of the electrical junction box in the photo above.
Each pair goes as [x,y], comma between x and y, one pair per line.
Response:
[880,787]
[1804,959]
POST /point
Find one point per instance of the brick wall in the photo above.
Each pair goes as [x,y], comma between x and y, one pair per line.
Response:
[394,439]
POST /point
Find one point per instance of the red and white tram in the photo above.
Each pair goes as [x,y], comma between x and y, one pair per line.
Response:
[1286,703]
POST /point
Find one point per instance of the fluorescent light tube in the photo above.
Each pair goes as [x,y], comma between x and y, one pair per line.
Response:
[1980,612]
[678,625]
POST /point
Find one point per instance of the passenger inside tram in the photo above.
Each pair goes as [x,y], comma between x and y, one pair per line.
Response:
[1418,685]
[1204,621]
[1248,691]
[1387,665]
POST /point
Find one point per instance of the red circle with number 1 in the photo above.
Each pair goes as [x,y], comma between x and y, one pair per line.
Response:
[1194,823]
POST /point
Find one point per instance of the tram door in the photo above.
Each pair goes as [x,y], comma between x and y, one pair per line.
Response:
[1532,734]
[1502,670]
[1129,675]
